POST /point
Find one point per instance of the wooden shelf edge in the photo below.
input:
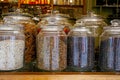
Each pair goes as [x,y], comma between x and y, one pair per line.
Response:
[59,73]
[59,76]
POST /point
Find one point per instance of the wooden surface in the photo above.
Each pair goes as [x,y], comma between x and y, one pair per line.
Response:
[59,76]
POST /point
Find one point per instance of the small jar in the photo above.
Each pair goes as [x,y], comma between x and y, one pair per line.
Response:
[51,48]
[109,59]
[80,50]
[12,46]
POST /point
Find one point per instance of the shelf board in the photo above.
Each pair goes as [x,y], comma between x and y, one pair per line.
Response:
[36,4]
[59,76]
[107,6]
[4,3]
[73,6]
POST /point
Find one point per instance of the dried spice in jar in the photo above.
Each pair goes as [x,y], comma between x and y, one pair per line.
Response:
[110,54]
[51,49]
[30,31]
[11,54]
[80,53]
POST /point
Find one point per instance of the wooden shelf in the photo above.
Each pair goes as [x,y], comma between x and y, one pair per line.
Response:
[59,76]
[107,6]
[36,4]
[72,6]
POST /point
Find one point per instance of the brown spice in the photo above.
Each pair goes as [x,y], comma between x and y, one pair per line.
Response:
[30,31]
[51,53]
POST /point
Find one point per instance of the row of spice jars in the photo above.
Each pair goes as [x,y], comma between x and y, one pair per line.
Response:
[30,31]
[82,46]
[57,51]
[54,51]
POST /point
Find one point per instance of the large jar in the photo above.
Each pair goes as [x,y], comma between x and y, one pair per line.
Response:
[30,31]
[51,48]
[80,51]
[95,23]
[12,46]
[110,48]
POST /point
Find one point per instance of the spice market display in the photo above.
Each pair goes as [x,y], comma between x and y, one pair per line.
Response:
[64,40]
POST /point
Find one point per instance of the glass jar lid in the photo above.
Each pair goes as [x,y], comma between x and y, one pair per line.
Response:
[115,23]
[56,15]
[80,27]
[52,28]
[115,26]
[52,25]
[11,27]
[18,14]
[91,16]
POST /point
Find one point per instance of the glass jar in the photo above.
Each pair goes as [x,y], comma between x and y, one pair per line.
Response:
[12,46]
[110,47]
[30,31]
[95,23]
[62,19]
[51,48]
[80,56]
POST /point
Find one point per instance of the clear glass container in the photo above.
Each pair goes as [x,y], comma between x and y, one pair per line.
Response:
[110,47]
[80,50]
[95,23]
[51,48]
[30,31]
[12,46]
